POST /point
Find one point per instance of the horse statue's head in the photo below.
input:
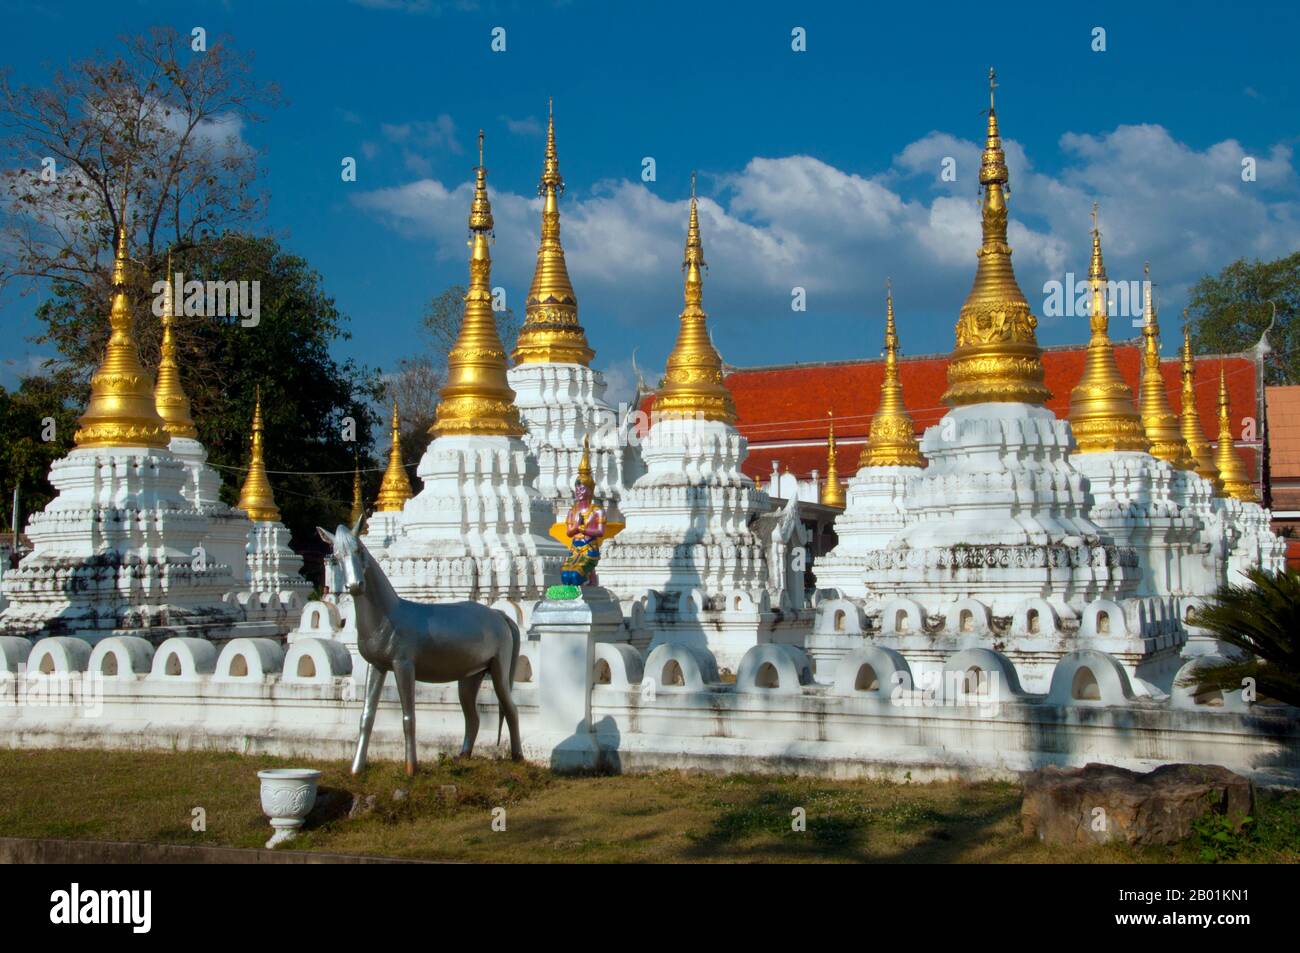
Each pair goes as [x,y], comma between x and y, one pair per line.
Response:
[349,554]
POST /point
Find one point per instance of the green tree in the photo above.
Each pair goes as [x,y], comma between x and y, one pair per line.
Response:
[307,396]
[1229,311]
[1263,620]
[36,428]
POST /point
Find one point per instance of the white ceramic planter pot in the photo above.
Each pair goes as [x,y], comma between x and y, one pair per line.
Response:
[287,798]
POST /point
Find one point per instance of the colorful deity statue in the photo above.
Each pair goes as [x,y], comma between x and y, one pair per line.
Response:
[585,527]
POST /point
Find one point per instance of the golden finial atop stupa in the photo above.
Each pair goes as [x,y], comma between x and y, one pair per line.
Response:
[256,498]
[121,411]
[997,356]
[358,504]
[1102,413]
[395,489]
[169,395]
[551,333]
[477,399]
[832,494]
[584,467]
[1190,422]
[1232,471]
[692,384]
[893,436]
[1158,416]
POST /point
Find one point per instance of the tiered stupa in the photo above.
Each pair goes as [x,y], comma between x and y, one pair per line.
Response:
[561,400]
[1198,445]
[120,546]
[832,492]
[1134,498]
[998,546]
[275,583]
[228,529]
[385,522]
[875,509]
[692,565]
[478,529]
[1250,541]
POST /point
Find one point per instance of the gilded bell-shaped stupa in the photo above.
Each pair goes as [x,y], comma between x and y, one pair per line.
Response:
[1102,413]
[1232,471]
[477,399]
[892,442]
[1158,417]
[172,402]
[551,333]
[693,381]
[997,358]
[1198,444]
[121,411]
[395,489]
[832,492]
[256,498]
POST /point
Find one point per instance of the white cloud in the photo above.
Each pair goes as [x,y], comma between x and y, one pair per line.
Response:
[528,126]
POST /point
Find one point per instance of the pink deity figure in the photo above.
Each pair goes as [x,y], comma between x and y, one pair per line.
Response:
[585,527]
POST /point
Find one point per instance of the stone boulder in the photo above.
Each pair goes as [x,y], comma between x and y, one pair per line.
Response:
[1100,803]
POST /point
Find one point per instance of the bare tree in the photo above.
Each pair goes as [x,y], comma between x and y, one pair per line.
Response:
[414,386]
[157,128]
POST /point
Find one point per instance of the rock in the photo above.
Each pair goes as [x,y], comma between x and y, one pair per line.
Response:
[400,794]
[361,806]
[1100,803]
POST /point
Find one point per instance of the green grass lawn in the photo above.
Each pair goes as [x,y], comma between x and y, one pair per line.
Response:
[667,816]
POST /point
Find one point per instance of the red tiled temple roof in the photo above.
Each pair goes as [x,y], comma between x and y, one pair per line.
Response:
[782,409]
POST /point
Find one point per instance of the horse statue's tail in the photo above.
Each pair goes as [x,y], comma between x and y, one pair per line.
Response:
[510,678]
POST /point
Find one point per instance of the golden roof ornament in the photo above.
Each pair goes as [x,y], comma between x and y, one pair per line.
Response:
[169,395]
[121,411]
[584,467]
[1102,413]
[1190,421]
[892,442]
[256,498]
[358,511]
[1158,417]
[477,399]
[395,489]
[997,356]
[1232,471]
[832,493]
[551,333]
[693,385]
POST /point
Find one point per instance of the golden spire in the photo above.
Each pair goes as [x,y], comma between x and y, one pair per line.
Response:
[692,384]
[893,436]
[1158,416]
[1193,433]
[395,489]
[1102,414]
[358,504]
[1232,471]
[121,411]
[832,494]
[551,332]
[997,356]
[256,498]
[477,398]
[168,394]
[584,467]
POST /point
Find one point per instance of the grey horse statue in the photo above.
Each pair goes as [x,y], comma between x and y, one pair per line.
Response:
[451,642]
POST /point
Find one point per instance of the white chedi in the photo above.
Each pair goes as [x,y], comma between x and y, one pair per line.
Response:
[478,528]
[118,547]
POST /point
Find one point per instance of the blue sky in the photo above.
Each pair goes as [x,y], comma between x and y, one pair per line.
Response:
[817,169]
